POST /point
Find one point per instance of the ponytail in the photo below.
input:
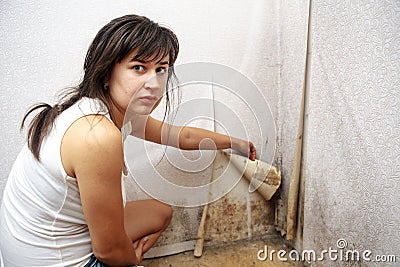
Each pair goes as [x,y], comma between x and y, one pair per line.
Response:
[40,125]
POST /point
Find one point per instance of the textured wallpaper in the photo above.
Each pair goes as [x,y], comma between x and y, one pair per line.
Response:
[352,143]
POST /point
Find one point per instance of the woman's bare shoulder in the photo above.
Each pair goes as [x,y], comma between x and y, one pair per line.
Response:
[91,140]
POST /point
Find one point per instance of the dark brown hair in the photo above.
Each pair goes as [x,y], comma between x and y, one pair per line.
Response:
[111,44]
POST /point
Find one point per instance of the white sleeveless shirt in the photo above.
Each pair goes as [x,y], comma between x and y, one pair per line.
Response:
[42,222]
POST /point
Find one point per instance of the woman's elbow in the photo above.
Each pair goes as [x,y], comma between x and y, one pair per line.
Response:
[186,140]
[106,256]
[114,255]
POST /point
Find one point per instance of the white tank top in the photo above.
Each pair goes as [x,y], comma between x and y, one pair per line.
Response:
[42,222]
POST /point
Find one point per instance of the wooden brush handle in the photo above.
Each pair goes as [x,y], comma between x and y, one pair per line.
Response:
[198,248]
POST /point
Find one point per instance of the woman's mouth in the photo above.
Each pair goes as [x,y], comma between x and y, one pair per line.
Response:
[148,100]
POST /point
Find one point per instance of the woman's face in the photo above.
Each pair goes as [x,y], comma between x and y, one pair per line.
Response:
[138,84]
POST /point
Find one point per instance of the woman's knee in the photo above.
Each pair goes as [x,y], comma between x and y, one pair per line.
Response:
[166,213]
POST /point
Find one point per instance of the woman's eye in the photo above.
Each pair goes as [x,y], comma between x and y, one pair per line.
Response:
[161,70]
[138,68]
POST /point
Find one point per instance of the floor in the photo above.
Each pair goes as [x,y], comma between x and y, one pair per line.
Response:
[242,253]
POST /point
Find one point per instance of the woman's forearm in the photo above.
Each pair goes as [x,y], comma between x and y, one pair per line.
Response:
[191,138]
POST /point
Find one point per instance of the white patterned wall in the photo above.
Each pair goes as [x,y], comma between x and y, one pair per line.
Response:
[352,143]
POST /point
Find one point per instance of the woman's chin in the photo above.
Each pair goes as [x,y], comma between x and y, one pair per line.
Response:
[142,110]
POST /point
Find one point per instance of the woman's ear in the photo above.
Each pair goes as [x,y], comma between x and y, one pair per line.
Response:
[106,86]
[106,83]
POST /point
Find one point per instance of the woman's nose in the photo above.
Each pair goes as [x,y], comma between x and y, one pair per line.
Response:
[152,82]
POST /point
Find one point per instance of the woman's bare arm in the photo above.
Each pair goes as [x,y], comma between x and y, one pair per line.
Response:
[92,152]
[192,138]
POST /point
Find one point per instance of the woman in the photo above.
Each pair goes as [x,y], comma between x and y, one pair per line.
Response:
[63,203]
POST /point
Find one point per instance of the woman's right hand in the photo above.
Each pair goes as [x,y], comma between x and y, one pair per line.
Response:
[245,147]
[138,246]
